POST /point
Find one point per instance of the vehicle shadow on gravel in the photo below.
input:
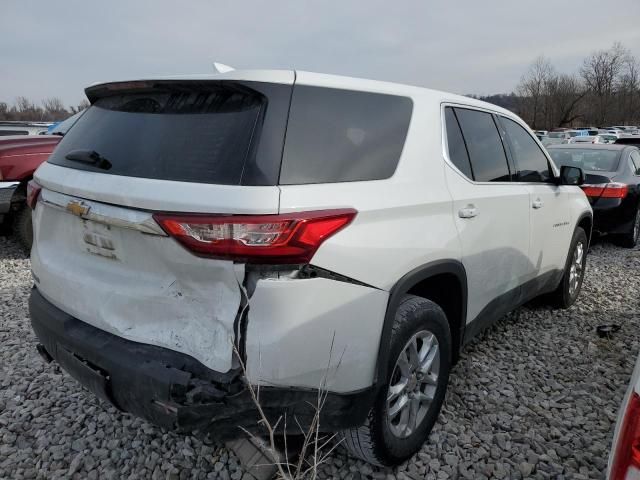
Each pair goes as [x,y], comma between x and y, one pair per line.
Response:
[535,396]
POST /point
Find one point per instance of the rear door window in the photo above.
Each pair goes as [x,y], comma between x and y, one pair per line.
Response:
[336,135]
[486,152]
[203,132]
[532,164]
[455,142]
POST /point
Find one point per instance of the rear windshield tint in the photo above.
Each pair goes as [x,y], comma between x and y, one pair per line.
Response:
[338,135]
[599,160]
[204,133]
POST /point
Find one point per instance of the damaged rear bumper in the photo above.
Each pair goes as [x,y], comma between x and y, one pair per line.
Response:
[173,390]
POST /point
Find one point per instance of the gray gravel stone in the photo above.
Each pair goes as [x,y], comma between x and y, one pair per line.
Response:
[535,396]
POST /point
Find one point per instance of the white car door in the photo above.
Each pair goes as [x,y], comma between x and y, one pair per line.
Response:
[551,222]
[491,214]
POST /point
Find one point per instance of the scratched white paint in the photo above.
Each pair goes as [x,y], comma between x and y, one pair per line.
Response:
[145,288]
[304,332]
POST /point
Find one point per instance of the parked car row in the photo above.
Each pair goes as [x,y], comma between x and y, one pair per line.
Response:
[22,128]
[580,136]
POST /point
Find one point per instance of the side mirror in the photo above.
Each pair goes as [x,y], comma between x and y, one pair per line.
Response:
[571,175]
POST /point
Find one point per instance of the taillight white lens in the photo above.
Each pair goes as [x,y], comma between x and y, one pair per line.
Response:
[269,239]
[248,234]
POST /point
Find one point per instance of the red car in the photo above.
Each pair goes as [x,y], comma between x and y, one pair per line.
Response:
[19,157]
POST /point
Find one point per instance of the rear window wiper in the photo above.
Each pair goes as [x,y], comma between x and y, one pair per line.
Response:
[90,157]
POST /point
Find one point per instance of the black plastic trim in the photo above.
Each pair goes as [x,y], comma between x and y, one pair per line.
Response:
[580,219]
[511,300]
[400,289]
[311,271]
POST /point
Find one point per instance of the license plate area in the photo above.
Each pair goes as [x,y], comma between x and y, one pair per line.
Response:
[98,239]
[94,379]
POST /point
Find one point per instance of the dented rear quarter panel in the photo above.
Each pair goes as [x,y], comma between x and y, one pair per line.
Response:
[314,333]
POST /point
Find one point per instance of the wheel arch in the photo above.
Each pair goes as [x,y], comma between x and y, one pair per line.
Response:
[443,282]
[585,221]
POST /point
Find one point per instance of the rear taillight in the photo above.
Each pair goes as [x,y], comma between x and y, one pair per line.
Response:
[606,190]
[33,193]
[626,459]
[268,239]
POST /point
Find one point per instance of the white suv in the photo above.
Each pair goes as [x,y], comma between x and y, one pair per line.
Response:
[320,226]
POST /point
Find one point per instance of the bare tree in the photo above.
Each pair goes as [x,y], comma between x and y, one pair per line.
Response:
[565,93]
[600,72]
[83,105]
[532,90]
[628,91]
[54,109]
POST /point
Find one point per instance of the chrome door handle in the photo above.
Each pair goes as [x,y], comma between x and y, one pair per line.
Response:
[469,211]
[537,203]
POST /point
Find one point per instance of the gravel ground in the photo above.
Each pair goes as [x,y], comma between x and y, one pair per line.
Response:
[535,396]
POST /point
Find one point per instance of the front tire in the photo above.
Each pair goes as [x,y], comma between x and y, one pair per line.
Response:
[407,407]
[567,292]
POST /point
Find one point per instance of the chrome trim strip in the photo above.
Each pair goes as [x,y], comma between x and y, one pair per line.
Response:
[149,226]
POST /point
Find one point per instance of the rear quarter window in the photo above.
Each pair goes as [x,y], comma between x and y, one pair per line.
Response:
[455,142]
[336,135]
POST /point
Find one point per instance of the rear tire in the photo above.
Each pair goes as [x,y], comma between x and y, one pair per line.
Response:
[23,228]
[630,240]
[407,407]
[567,292]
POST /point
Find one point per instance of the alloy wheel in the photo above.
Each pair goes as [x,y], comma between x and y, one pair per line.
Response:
[575,272]
[413,384]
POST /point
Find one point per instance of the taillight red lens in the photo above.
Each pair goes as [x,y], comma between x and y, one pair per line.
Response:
[268,239]
[33,193]
[606,190]
[626,460]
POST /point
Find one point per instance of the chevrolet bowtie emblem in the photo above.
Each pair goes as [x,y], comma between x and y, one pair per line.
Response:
[77,208]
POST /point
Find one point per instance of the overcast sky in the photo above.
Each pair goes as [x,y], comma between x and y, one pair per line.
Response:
[56,48]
